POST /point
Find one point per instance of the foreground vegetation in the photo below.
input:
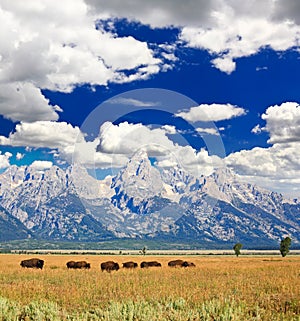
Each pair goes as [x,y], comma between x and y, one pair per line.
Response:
[218,288]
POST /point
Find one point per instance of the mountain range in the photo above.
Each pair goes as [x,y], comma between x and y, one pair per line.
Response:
[142,201]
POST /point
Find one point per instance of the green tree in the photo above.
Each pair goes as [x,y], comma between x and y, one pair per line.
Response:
[285,246]
[237,248]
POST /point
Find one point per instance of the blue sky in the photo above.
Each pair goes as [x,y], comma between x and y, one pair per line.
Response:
[202,84]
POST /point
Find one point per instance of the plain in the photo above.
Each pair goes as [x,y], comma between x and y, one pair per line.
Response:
[218,288]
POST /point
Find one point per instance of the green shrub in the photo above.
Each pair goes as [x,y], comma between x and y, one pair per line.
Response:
[165,310]
[8,310]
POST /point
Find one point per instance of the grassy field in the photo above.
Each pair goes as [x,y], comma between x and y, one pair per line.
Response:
[219,288]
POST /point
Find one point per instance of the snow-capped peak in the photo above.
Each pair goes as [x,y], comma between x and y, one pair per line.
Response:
[139,179]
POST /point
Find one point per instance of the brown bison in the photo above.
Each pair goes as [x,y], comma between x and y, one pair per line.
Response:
[130,265]
[71,265]
[109,266]
[32,263]
[78,265]
[82,265]
[150,264]
[186,264]
[180,263]
[176,263]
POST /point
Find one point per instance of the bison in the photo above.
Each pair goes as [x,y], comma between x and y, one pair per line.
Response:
[150,264]
[32,263]
[176,263]
[78,265]
[71,264]
[186,264]
[180,263]
[82,265]
[109,266]
[130,265]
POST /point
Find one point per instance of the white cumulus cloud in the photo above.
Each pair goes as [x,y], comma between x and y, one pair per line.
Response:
[169,129]
[56,46]
[157,13]
[42,134]
[228,29]
[283,122]
[41,165]
[213,112]
[4,159]
[210,131]
[257,129]
[126,138]
[277,167]
[19,156]
[237,32]
[25,102]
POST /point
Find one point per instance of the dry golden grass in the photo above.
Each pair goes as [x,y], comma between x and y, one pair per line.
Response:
[272,284]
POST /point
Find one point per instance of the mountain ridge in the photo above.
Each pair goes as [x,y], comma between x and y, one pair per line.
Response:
[145,202]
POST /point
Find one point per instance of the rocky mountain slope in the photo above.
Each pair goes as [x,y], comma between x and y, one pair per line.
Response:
[142,201]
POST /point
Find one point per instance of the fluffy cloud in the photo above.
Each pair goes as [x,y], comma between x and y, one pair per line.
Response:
[256,129]
[225,64]
[23,101]
[157,13]
[41,165]
[210,131]
[283,122]
[235,37]
[19,156]
[43,134]
[213,112]
[4,159]
[68,143]
[86,154]
[194,13]
[112,148]
[62,49]
[196,163]
[169,129]
[287,9]
[228,29]
[277,167]
[126,138]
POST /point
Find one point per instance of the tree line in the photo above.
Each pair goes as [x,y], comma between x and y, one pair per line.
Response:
[284,247]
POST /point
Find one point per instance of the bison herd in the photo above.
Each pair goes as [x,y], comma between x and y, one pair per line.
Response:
[108,265]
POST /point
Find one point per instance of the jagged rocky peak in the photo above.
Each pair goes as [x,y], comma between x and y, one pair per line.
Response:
[138,179]
[223,175]
[218,184]
[15,176]
[11,178]
[228,186]
[179,179]
[86,185]
[138,165]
